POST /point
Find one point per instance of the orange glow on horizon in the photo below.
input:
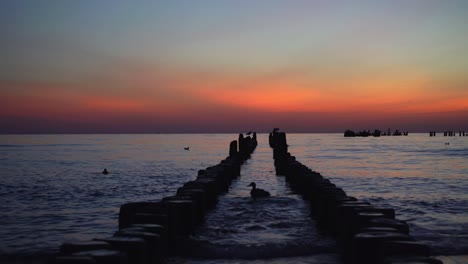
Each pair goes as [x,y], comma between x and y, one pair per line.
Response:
[178,95]
[286,94]
[279,99]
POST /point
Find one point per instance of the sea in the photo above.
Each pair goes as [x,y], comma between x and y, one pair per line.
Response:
[52,190]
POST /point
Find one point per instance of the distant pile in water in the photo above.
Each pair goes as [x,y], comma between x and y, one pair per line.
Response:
[376,133]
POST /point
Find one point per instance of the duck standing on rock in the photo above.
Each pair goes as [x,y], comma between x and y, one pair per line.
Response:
[256,193]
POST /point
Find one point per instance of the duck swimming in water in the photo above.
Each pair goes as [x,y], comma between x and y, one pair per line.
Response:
[255,193]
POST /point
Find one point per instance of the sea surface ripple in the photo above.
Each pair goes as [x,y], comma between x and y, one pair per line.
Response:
[52,189]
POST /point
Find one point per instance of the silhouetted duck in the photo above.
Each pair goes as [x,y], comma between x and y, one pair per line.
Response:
[187,148]
[257,192]
[105,172]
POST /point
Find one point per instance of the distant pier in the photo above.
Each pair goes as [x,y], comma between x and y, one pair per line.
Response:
[375,133]
[449,133]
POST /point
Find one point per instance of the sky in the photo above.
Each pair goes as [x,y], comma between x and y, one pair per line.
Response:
[232,66]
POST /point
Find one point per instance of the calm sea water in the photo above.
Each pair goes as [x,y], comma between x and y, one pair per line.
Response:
[52,191]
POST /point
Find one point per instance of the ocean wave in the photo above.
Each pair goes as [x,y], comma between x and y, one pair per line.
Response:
[441,152]
[11,146]
[209,250]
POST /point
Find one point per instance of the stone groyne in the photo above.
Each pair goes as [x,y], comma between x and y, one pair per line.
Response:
[148,232]
[367,234]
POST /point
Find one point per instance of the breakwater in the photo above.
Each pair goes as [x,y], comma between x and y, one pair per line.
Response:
[148,232]
[365,233]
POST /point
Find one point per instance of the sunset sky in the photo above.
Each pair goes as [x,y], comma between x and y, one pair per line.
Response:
[232,66]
